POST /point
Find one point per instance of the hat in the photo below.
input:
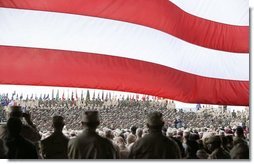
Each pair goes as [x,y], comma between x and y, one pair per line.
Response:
[213,139]
[154,119]
[90,116]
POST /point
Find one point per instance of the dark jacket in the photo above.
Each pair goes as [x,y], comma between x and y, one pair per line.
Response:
[89,145]
[55,146]
[20,148]
[155,146]
[219,153]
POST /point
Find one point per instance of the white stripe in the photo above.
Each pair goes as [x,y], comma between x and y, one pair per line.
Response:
[234,12]
[50,30]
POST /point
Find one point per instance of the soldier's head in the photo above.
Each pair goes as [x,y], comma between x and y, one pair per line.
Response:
[213,143]
[154,121]
[239,131]
[58,123]
[90,119]
[133,129]
[15,111]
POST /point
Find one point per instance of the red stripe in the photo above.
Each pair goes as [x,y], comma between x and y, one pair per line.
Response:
[159,14]
[31,66]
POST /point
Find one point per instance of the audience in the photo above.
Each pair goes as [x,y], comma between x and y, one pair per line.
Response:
[126,129]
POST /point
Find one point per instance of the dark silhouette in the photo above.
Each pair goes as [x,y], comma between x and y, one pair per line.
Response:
[214,145]
[56,145]
[18,146]
[28,130]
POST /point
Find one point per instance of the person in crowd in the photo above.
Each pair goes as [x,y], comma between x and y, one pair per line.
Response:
[56,145]
[3,150]
[240,151]
[28,130]
[202,154]
[239,136]
[133,130]
[131,138]
[109,134]
[18,146]
[186,135]
[155,145]
[89,145]
[139,133]
[234,114]
[175,122]
[227,142]
[178,140]
[123,150]
[192,148]
[214,146]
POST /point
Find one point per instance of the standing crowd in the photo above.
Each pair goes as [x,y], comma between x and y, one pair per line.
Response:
[158,137]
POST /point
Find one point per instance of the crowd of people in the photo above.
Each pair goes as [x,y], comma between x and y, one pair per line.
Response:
[123,129]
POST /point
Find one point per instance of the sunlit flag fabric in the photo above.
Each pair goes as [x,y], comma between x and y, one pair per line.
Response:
[191,51]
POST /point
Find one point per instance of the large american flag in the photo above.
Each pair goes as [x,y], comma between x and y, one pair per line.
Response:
[186,50]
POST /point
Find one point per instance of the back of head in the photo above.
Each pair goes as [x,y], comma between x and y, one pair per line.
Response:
[109,134]
[239,131]
[139,132]
[14,126]
[58,122]
[154,120]
[215,141]
[133,129]
[192,147]
[131,139]
[16,111]
[202,154]
[119,141]
[90,119]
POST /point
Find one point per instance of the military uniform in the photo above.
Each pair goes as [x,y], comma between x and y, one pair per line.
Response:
[155,145]
[20,148]
[89,145]
[27,132]
[55,146]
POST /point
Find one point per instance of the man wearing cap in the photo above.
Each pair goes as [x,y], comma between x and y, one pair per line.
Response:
[214,145]
[155,145]
[55,146]
[28,130]
[89,145]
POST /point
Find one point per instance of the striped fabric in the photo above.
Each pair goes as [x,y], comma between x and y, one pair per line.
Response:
[196,53]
